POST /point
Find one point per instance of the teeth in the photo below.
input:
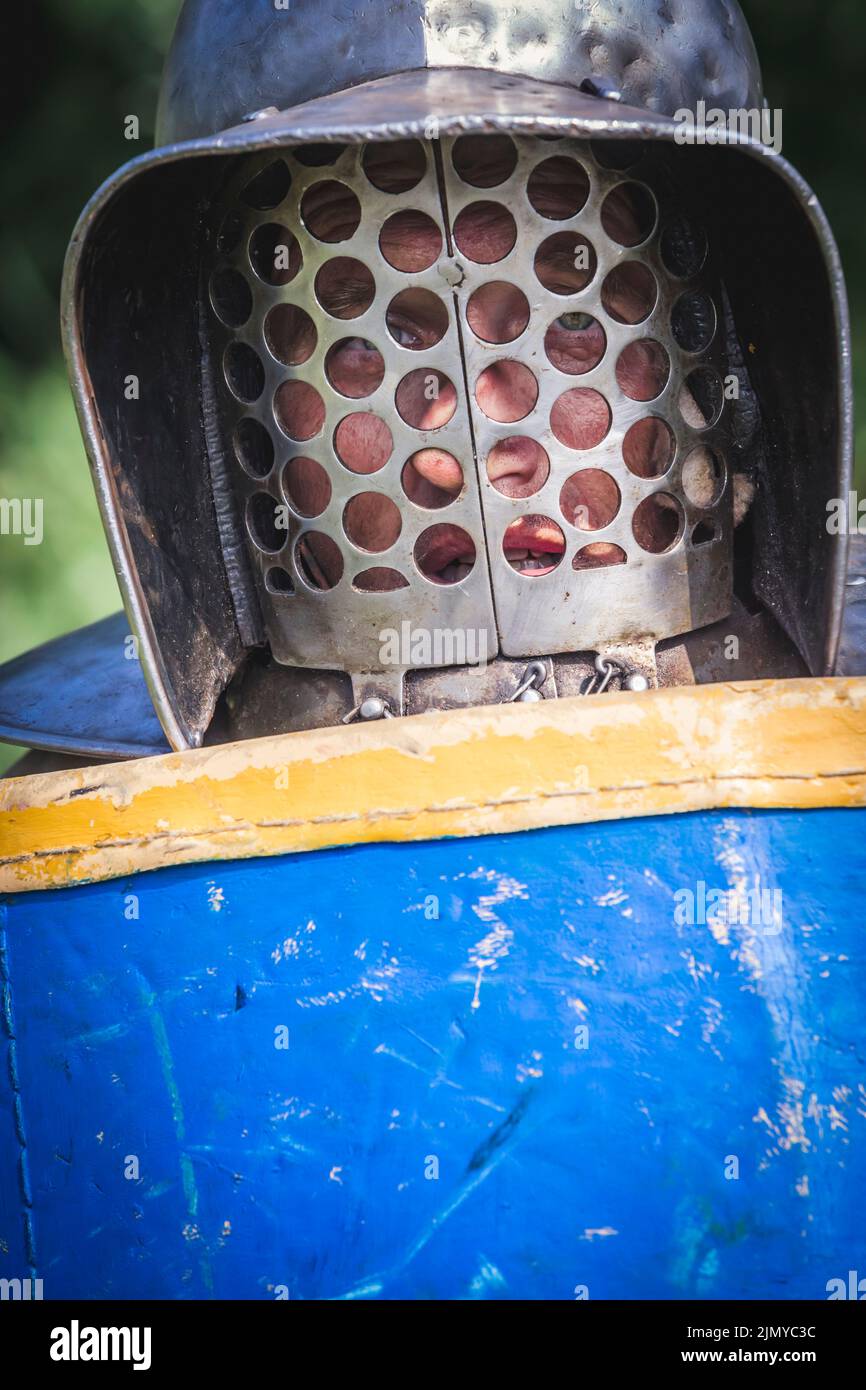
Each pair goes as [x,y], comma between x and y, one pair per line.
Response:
[512,555]
[455,570]
[530,564]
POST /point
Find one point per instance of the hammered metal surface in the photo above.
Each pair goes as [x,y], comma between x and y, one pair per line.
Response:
[231,57]
[650,596]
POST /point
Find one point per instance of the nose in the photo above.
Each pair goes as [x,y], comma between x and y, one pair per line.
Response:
[518,467]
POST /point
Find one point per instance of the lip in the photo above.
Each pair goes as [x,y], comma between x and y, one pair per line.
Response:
[526,542]
[449,548]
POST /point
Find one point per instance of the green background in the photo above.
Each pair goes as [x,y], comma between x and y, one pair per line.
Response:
[74,71]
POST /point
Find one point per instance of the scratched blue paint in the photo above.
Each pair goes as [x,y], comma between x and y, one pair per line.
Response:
[414,1039]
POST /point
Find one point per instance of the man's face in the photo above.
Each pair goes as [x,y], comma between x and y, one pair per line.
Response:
[506,391]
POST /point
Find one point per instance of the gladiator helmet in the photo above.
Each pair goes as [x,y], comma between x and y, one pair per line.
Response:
[461,375]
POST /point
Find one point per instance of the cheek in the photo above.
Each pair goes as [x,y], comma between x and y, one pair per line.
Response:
[424,413]
[581,421]
[656,523]
[642,370]
[363,443]
[372,526]
[506,392]
[355,371]
[575,352]
[588,500]
[310,488]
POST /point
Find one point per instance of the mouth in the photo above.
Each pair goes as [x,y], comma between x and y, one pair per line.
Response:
[533,545]
[448,555]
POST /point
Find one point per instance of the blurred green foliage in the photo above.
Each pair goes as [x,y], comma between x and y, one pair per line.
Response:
[73,72]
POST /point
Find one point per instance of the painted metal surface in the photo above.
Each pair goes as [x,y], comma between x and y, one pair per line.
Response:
[439,1126]
[795,743]
[84,694]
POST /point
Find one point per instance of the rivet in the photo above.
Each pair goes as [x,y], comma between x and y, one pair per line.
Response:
[261,114]
[372,708]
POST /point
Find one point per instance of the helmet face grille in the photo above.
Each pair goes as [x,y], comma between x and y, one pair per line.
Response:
[477,385]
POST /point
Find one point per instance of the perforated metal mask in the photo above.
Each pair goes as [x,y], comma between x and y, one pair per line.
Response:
[239,515]
[477,386]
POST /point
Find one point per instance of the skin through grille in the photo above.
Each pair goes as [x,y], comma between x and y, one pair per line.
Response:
[550,320]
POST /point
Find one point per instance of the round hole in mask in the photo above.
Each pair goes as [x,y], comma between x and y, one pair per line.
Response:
[575,343]
[589,499]
[275,254]
[648,447]
[395,166]
[345,288]
[426,399]
[445,553]
[628,214]
[485,232]
[372,521]
[704,532]
[410,241]
[598,555]
[657,523]
[299,409]
[533,546]
[558,187]
[642,370]
[363,443]
[580,418]
[279,582]
[683,247]
[306,486]
[629,292]
[379,580]
[268,188]
[616,154]
[244,372]
[484,161]
[703,477]
[263,517]
[506,392]
[693,321]
[231,297]
[432,478]
[318,560]
[254,448]
[230,232]
[354,367]
[498,312]
[330,211]
[518,466]
[290,334]
[417,319]
[565,262]
[317,156]
[701,398]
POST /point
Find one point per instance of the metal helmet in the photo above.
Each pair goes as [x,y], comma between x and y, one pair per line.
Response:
[619,313]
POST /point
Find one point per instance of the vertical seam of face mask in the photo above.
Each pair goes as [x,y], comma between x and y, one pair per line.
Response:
[446,218]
